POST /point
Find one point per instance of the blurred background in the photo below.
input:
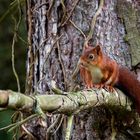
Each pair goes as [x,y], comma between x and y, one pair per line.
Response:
[9,14]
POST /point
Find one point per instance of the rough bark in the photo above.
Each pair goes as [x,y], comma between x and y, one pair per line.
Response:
[55,47]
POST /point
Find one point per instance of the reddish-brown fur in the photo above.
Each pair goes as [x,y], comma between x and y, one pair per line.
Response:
[128,83]
[108,67]
[86,77]
[111,74]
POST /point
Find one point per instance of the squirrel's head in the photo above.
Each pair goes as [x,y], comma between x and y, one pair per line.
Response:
[91,56]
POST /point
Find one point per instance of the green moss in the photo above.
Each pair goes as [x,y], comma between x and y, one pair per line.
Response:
[129,16]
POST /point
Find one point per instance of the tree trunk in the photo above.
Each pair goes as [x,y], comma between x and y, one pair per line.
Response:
[55,45]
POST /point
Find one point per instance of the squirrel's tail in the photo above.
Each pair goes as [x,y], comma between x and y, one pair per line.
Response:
[128,83]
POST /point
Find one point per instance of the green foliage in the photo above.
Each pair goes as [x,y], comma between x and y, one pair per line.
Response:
[5,120]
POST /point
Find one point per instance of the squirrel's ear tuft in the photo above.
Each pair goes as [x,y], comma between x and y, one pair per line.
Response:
[98,48]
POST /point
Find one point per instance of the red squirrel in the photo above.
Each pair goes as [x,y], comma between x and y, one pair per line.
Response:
[97,69]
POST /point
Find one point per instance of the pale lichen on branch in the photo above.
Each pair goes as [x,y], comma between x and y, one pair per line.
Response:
[70,103]
[66,102]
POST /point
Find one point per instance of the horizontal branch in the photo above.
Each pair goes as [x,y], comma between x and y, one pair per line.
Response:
[71,102]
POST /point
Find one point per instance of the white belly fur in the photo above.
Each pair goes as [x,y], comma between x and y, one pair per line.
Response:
[96,75]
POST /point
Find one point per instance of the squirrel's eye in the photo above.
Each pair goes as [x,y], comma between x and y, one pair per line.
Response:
[91,56]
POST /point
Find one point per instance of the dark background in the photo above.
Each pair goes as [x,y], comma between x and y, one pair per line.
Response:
[7,78]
